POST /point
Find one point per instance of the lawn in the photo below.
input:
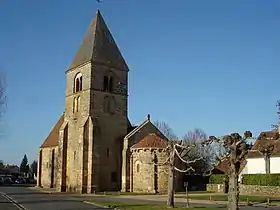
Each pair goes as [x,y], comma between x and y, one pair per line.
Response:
[124,206]
[242,198]
[115,193]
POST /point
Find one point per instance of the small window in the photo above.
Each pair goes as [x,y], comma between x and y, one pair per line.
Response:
[114,176]
[105,83]
[75,155]
[138,168]
[76,104]
[78,83]
[107,152]
[111,83]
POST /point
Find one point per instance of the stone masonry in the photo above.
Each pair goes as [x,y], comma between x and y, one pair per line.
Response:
[90,147]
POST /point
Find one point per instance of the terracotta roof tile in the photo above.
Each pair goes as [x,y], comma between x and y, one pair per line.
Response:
[223,166]
[266,138]
[151,141]
[52,139]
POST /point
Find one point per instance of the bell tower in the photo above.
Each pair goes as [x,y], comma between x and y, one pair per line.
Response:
[95,121]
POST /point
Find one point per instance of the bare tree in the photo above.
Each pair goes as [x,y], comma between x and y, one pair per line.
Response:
[194,138]
[177,153]
[236,150]
[166,130]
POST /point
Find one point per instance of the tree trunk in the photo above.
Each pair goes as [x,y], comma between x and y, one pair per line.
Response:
[233,191]
[170,200]
[267,164]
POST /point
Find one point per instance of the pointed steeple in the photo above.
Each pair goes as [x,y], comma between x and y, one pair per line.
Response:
[99,46]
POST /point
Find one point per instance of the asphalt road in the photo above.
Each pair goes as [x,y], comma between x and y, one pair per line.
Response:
[15,198]
[23,198]
[160,201]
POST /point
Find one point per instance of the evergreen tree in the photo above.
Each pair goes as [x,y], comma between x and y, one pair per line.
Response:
[24,167]
[33,168]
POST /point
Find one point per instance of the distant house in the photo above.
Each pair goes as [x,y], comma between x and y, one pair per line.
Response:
[255,159]
[222,167]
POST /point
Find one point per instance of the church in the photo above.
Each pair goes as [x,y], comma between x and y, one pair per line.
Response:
[93,146]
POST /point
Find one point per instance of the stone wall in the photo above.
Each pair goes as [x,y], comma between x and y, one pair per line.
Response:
[49,167]
[129,141]
[145,176]
[248,189]
[215,188]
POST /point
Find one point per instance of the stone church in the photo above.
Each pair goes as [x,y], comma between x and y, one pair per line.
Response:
[93,146]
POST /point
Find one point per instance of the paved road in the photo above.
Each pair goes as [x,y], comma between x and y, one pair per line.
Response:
[22,198]
[148,199]
[15,198]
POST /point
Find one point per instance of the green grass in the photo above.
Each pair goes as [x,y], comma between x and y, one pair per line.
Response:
[124,206]
[116,193]
[242,198]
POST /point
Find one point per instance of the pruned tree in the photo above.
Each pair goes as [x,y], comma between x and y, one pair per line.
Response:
[236,150]
[176,149]
[266,151]
[178,153]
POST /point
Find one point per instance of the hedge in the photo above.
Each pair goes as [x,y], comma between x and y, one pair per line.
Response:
[261,179]
[217,178]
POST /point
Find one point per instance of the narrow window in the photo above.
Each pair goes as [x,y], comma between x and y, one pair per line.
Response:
[74,105]
[114,176]
[107,152]
[75,155]
[111,82]
[78,86]
[78,103]
[138,168]
[105,83]
[81,84]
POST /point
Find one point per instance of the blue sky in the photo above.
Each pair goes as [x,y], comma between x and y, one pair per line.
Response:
[208,64]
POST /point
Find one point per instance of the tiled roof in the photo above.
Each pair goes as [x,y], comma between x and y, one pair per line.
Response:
[223,165]
[264,139]
[98,45]
[151,141]
[52,139]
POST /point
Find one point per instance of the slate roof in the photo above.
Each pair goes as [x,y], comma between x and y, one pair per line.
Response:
[52,138]
[98,45]
[151,141]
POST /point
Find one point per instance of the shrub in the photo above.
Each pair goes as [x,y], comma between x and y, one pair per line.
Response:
[261,179]
[217,178]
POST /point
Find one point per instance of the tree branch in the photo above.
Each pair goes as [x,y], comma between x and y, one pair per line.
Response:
[184,171]
[185,161]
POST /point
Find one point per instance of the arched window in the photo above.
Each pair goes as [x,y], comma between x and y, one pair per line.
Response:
[105,83]
[138,168]
[78,83]
[76,104]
